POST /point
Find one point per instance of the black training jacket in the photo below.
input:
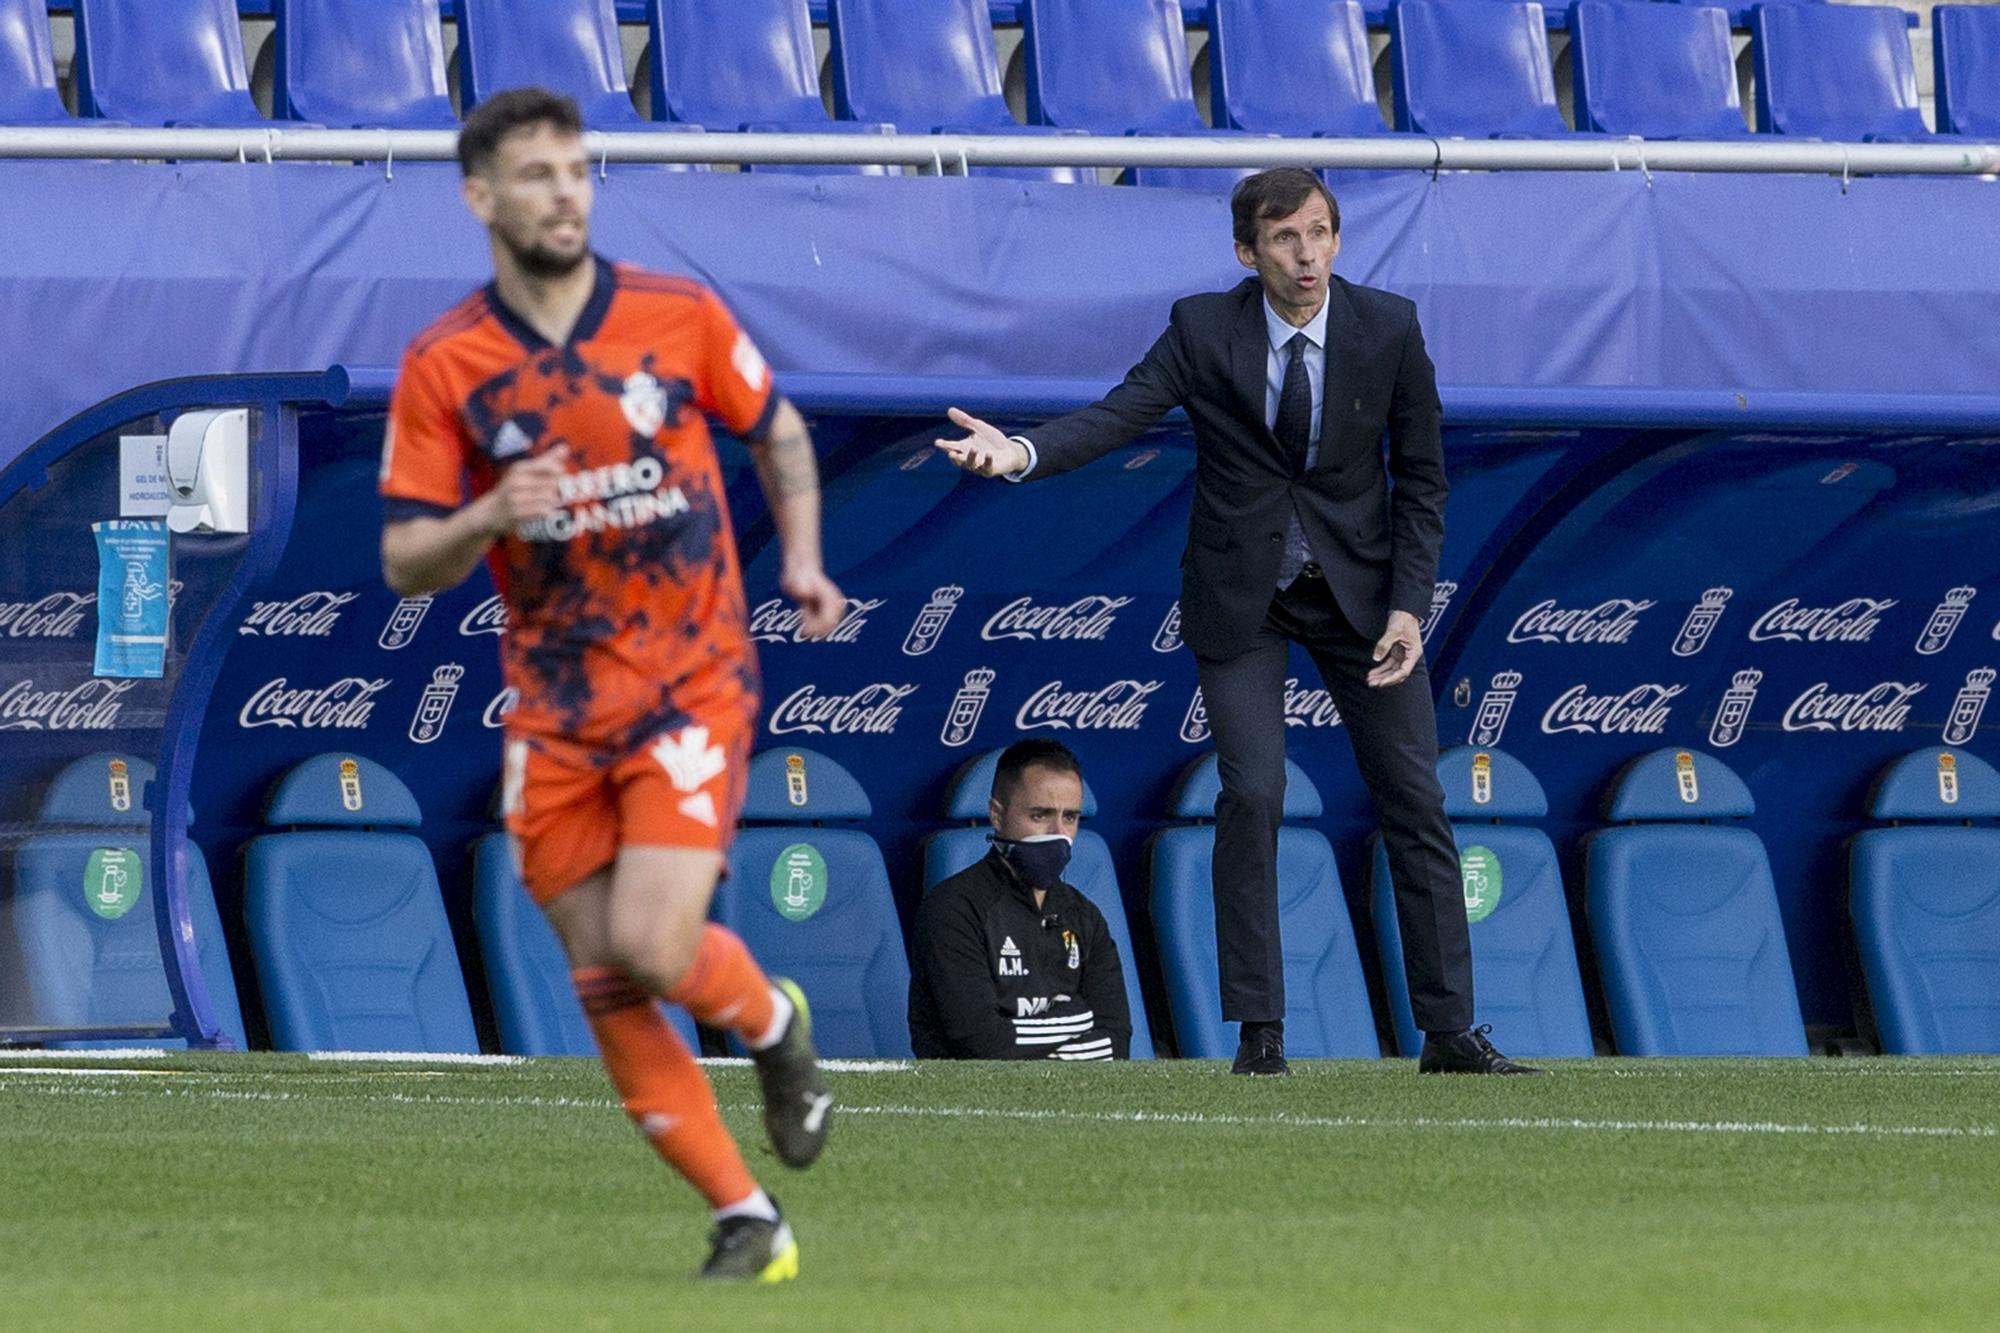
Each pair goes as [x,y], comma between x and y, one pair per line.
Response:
[995,979]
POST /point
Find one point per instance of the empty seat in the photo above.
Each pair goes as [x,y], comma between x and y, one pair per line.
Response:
[1965,55]
[1835,72]
[1327,1013]
[1685,918]
[927,65]
[813,902]
[28,91]
[1117,67]
[1525,978]
[1473,71]
[87,931]
[1090,872]
[1661,71]
[1926,905]
[567,46]
[747,65]
[1285,68]
[535,1006]
[346,921]
[149,63]
[378,63]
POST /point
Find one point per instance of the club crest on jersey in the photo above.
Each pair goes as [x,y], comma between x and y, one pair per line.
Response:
[644,403]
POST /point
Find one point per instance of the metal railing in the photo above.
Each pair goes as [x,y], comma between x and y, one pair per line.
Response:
[955,153]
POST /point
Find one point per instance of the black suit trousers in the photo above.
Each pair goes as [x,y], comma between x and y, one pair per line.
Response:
[1394,735]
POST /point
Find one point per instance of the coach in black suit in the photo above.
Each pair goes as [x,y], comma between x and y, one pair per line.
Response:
[1291,379]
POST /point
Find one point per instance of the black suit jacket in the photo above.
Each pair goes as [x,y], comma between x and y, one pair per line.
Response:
[1379,546]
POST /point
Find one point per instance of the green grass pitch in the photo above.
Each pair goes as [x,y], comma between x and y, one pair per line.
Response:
[269,1192]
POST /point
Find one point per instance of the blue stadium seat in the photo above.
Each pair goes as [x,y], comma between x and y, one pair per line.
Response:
[378,63]
[1284,68]
[1965,54]
[1685,918]
[150,63]
[1835,72]
[813,902]
[1090,872]
[1327,1014]
[1926,904]
[527,976]
[570,46]
[1473,71]
[1661,71]
[28,91]
[345,917]
[87,933]
[1525,976]
[927,65]
[1117,67]
[747,65]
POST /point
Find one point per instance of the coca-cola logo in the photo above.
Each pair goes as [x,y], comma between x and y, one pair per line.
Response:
[90,706]
[1852,621]
[1309,708]
[1639,711]
[778,621]
[1881,707]
[1119,706]
[56,616]
[310,615]
[1610,621]
[489,617]
[872,710]
[1086,618]
[503,703]
[345,705]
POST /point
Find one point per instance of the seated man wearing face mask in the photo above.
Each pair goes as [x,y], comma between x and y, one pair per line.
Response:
[1010,962]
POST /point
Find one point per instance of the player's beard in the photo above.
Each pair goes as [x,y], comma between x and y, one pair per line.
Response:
[538,261]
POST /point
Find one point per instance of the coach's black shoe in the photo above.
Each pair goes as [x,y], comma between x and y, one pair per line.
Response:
[749,1249]
[797,1105]
[1467,1053]
[1261,1051]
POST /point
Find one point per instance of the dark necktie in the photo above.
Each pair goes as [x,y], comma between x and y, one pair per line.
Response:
[1295,407]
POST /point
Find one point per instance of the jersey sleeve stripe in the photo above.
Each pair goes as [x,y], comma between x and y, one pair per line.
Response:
[396,508]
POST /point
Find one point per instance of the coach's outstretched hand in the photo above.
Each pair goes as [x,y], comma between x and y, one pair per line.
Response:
[821,603]
[984,450]
[1399,650]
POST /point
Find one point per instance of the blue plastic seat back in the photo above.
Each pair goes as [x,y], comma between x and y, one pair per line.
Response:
[1965,55]
[813,902]
[378,63]
[1327,1013]
[725,66]
[1090,873]
[83,913]
[919,64]
[1527,983]
[1926,905]
[1473,71]
[1685,918]
[1835,72]
[151,63]
[346,920]
[29,94]
[1108,66]
[1284,68]
[1661,71]
[568,46]
[527,975]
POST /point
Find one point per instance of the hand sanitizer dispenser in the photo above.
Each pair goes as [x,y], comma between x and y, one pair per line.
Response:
[208,471]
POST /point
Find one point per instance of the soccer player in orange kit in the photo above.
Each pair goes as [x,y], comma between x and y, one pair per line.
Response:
[552,423]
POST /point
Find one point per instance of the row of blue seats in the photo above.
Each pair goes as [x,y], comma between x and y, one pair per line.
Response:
[1096,66]
[353,949]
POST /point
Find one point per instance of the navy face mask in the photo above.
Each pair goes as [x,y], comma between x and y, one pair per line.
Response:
[1039,860]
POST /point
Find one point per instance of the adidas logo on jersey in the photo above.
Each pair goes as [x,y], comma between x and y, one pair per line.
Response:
[1011,963]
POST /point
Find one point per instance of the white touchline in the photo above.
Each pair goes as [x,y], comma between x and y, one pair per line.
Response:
[104,1053]
[1543,1123]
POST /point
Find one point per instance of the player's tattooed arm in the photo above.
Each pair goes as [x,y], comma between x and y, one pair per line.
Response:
[790,476]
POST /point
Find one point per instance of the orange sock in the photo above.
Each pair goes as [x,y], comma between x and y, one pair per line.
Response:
[664,1090]
[725,988]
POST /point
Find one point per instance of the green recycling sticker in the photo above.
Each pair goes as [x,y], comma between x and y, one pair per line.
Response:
[113,881]
[798,882]
[1479,868]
